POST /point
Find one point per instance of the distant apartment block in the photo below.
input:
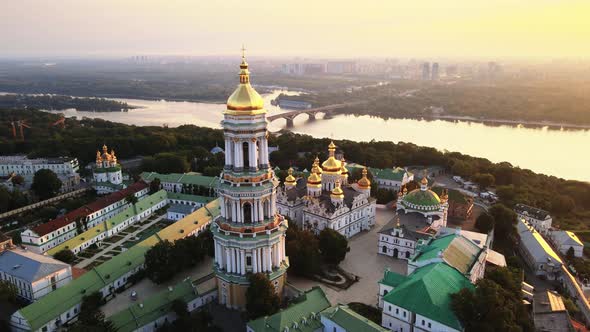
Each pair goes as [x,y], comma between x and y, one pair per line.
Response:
[64,167]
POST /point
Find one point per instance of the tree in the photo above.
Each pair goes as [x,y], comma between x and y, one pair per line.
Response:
[484,180]
[46,184]
[261,297]
[570,254]
[495,305]
[17,180]
[505,234]
[65,255]
[131,199]
[561,204]
[484,223]
[158,262]
[8,291]
[155,185]
[91,318]
[333,246]
[303,250]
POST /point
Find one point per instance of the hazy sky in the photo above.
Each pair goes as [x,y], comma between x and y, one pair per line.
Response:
[296,28]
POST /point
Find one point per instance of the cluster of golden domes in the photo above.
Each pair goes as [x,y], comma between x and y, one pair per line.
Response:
[105,156]
[245,100]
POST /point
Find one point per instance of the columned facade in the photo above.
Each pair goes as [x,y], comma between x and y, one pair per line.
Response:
[250,235]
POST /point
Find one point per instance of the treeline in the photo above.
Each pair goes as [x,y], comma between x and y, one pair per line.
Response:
[568,201]
[59,102]
[554,101]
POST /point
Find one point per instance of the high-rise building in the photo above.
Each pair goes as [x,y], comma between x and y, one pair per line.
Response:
[435,75]
[250,234]
[426,71]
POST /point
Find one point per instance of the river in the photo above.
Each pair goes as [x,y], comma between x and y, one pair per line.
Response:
[554,152]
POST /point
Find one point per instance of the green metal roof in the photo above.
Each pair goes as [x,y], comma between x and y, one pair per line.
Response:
[455,250]
[422,198]
[431,249]
[306,307]
[395,174]
[350,320]
[184,178]
[392,279]
[146,311]
[427,292]
[191,198]
[64,298]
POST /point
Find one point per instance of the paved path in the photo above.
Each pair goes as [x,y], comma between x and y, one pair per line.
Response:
[127,237]
[364,261]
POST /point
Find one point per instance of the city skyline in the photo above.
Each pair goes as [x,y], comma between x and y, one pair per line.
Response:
[462,29]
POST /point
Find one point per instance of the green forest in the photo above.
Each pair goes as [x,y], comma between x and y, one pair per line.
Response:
[187,148]
[553,100]
[58,103]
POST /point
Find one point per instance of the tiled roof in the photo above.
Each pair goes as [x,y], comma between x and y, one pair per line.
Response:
[422,198]
[191,198]
[408,233]
[427,292]
[350,320]
[180,208]
[62,299]
[85,210]
[395,174]
[303,313]
[27,265]
[531,211]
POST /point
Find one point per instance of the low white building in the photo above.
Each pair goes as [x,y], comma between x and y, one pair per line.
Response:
[50,234]
[26,167]
[33,275]
[536,252]
[398,241]
[392,178]
[421,301]
[564,240]
[540,219]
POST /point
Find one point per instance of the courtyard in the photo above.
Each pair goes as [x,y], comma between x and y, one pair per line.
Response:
[363,261]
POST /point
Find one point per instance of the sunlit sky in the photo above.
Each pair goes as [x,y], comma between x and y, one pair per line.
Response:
[340,28]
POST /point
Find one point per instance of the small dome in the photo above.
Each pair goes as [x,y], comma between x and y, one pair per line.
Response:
[343,168]
[314,179]
[337,192]
[364,182]
[290,179]
[421,200]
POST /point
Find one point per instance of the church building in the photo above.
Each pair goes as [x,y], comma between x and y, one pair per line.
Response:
[250,234]
[107,173]
[326,199]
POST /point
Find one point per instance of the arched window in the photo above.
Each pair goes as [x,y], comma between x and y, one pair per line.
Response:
[246,154]
[247,213]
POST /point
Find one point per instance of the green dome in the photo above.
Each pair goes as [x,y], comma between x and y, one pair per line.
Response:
[417,199]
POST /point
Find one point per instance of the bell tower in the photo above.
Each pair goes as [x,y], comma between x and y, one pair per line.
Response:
[250,234]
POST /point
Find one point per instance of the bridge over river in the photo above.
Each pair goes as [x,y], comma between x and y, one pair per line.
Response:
[311,112]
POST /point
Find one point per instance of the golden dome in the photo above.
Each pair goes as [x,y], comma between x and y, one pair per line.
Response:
[424,180]
[314,179]
[245,100]
[364,182]
[290,179]
[337,192]
[343,168]
[332,164]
